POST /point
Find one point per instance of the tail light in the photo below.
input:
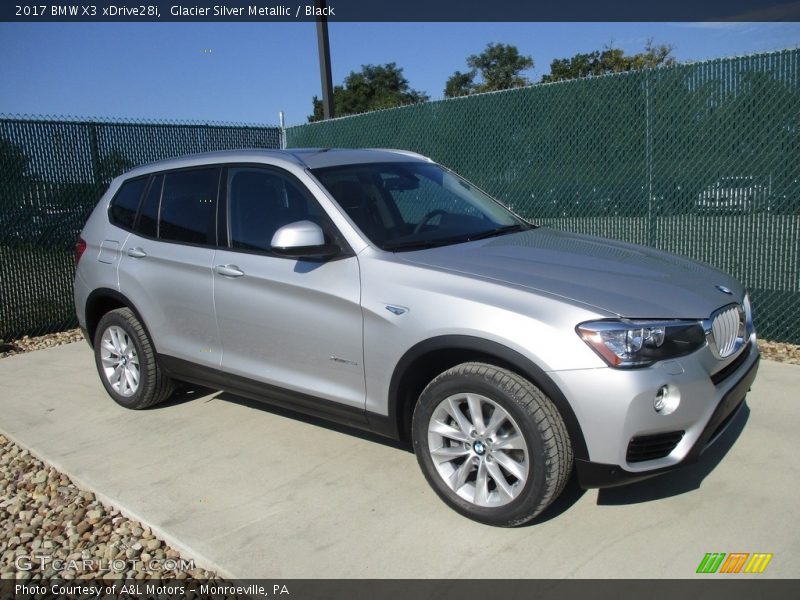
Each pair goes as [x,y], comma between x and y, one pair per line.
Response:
[80,248]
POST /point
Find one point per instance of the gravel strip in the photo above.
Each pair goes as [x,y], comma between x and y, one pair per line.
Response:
[780,352]
[51,528]
[28,344]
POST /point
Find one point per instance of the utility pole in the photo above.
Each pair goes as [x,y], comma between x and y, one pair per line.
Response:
[324,60]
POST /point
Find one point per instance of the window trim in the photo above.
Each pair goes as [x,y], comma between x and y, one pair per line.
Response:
[137,221]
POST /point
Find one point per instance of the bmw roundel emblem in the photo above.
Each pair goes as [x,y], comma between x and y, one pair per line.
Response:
[724,290]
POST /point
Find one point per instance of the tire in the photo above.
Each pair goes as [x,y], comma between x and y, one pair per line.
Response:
[121,350]
[502,473]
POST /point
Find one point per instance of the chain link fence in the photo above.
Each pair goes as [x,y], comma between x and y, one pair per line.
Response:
[52,172]
[700,159]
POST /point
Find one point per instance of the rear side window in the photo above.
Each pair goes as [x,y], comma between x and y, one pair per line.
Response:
[189,206]
[122,211]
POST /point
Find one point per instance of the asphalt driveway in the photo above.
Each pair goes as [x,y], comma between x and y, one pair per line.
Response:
[251,491]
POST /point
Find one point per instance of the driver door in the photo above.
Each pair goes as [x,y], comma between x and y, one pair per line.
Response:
[295,324]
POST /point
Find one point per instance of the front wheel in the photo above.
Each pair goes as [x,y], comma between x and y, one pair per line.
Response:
[126,361]
[491,444]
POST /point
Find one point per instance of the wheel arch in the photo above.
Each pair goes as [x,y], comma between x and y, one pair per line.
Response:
[102,301]
[427,359]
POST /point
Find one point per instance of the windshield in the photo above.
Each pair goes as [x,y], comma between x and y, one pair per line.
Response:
[413,205]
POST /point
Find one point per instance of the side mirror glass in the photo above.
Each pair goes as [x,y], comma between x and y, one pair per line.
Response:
[302,239]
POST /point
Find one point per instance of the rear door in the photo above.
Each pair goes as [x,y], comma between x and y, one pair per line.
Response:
[294,324]
[166,266]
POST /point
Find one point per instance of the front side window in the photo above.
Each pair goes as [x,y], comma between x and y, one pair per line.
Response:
[122,211]
[189,206]
[412,205]
[261,201]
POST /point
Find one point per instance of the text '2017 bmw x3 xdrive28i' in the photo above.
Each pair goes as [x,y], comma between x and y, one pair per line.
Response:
[381,290]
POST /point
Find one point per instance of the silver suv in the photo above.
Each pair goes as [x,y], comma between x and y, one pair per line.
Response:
[378,289]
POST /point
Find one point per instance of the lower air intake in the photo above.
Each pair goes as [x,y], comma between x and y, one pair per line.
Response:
[651,447]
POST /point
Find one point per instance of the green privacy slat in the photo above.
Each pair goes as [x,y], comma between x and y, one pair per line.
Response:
[700,159]
[52,172]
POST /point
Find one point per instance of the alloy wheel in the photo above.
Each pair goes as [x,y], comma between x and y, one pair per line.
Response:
[120,361]
[478,449]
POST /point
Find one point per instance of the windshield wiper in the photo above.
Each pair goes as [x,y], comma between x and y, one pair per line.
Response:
[497,231]
[419,244]
[423,244]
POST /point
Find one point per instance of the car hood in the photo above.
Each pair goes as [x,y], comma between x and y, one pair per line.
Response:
[616,277]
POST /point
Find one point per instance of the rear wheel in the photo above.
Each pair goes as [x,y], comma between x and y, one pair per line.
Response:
[491,444]
[127,363]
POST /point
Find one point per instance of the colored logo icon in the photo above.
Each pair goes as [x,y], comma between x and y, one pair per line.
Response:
[735,562]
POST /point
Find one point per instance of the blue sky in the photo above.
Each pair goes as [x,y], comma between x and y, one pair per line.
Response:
[247,72]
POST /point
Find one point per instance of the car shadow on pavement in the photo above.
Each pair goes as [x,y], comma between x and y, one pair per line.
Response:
[184,392]
[682,480]
[571,494]
[187,392]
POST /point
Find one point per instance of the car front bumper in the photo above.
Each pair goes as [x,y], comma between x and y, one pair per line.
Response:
[627,439]
[597,475]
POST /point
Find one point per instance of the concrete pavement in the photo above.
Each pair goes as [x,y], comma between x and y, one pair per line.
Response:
[251,491]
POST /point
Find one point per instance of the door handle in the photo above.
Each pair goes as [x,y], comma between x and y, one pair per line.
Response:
[136,252]
[229,270]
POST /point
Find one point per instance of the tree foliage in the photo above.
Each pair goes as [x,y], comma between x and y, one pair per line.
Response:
[373,88]
[608,60]
[500,67]
[460,84]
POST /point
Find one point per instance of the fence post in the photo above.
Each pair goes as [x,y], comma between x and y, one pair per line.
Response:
[651,217]
[94,149]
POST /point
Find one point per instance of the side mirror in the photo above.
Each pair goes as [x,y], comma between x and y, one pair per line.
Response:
[302,239]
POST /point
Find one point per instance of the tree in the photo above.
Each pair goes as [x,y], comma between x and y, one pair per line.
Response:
[608,60]
[373,88]
[460,84]
[500,67]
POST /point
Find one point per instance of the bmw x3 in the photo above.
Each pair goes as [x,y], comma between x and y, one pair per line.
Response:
[378,289]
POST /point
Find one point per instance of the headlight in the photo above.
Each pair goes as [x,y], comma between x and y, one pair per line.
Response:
[623,343]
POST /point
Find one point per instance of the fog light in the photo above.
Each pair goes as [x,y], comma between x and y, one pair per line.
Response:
[666,400]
